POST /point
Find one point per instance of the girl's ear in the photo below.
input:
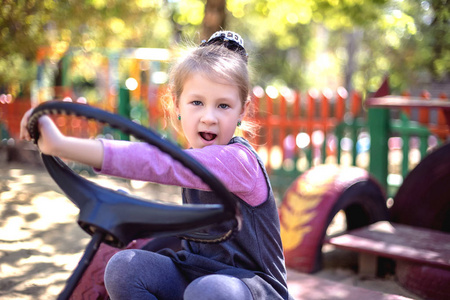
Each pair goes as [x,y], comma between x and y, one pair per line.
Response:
[175,104]
[244,109]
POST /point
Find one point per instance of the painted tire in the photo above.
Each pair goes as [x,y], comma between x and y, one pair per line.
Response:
[313,200]
[422,199]
[425,281]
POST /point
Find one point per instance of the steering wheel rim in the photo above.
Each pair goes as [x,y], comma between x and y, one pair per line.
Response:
[86,194]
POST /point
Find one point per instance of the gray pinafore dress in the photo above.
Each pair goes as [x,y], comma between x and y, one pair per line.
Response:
[254,254]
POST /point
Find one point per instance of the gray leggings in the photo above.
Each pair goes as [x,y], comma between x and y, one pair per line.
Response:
[140,274]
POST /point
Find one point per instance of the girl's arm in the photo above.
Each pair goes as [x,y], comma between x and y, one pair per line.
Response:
[234,165]
[53,142]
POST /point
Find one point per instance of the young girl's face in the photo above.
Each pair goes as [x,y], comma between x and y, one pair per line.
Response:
[209,111]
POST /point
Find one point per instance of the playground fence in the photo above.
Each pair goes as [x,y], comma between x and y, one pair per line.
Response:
[296,130]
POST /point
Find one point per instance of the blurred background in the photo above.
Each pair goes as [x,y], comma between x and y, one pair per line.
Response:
[313,63]
[298,44]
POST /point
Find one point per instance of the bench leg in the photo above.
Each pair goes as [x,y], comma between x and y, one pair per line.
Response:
[367,265]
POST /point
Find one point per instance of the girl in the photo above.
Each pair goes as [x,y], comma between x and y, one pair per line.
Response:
[210,89]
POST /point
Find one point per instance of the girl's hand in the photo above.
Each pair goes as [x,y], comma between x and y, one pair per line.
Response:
[24,134]
[50,136]
[53,142]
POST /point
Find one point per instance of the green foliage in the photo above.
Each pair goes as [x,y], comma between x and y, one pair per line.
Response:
[412,43]
[295,43]
[27,26]
[21,24]
[325,43]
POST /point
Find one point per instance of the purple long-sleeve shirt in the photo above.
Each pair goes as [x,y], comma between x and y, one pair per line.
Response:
[233,164]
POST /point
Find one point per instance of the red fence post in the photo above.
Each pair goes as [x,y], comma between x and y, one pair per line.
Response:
[296,117]
[11,115]
[442,130]
[356,104]
[311,101]
[283,121]
[341,95]
[325,120]
[423,112]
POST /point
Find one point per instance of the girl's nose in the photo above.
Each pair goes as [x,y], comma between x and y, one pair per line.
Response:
[209,116]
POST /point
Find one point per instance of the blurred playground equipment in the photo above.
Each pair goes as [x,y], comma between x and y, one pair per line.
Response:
[406,220]
[298,130]
[329,154]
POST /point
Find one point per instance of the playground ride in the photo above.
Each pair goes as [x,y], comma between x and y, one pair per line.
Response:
[417,235]
[115,218]
[314,199]
[414,232]
[309,206]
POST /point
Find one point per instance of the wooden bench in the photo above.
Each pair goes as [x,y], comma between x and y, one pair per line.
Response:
[309,287]
[398,242]
[410,102]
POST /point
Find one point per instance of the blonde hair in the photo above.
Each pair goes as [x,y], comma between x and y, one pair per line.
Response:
[217,63]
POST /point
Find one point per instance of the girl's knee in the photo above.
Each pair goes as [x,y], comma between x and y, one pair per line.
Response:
[120,260]
[119,266]
[217,287]
[139,274]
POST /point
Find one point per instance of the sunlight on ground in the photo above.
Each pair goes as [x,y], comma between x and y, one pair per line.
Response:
[44,209]
[52,209]
[40,240]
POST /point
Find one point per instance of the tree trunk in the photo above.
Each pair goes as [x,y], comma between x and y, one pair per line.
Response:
[353,43]
[214,19]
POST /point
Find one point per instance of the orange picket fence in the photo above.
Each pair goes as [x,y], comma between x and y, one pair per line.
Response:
[292,124]
[301,130]
[296,130]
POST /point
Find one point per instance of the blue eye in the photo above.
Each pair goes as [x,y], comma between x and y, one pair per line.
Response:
[196,102]
[224,106]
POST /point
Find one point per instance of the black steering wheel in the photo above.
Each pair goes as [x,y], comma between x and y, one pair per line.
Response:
[122,217]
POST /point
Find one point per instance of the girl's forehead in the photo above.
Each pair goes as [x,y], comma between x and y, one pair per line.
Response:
[209,76]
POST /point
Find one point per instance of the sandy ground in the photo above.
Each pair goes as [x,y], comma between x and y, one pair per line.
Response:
[40,242]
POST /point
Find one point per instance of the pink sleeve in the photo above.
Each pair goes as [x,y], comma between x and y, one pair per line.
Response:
[233,164]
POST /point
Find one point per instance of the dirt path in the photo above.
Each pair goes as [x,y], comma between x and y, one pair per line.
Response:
[40,242]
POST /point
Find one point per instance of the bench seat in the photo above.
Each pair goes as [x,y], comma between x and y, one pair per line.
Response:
[399,242]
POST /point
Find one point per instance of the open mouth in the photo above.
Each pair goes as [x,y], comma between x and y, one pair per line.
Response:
[207,136]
